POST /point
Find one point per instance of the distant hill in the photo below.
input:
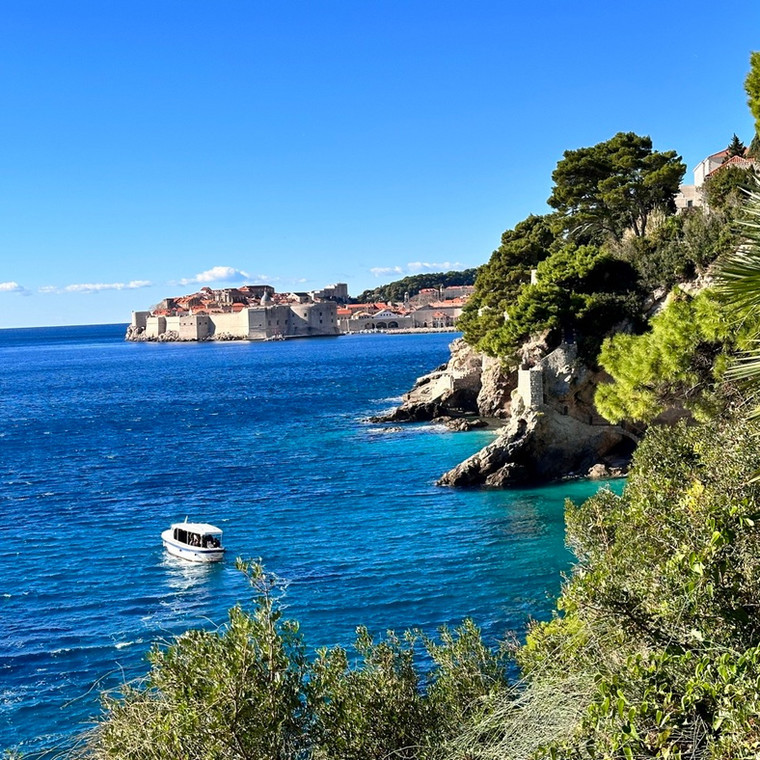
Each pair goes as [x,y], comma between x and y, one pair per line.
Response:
[395,291]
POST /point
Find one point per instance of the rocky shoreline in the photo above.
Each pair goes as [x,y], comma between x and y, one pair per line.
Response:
[138,334]
[548,426]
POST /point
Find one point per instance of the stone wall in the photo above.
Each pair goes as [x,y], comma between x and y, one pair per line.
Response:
[530,387]
[195,327]
[253,323]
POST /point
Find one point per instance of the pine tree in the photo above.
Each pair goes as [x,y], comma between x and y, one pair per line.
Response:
[735,147]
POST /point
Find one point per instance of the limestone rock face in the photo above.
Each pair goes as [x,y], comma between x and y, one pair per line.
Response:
[135,334]
[496,385]
[461,423]
[452,389]
[554,430]
[540,446]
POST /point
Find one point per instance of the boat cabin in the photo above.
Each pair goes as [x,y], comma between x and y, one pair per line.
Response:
[199,542]
[205,540]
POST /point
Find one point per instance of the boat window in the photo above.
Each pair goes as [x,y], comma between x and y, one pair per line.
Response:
[180,535]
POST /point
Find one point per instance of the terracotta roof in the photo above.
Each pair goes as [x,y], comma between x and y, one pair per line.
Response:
[360,306]
[744,163]
[739,161]
[719,154]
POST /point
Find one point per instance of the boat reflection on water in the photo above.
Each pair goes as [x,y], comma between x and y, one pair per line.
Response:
[185,576]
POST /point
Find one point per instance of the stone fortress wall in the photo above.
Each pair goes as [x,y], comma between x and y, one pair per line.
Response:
[271,321]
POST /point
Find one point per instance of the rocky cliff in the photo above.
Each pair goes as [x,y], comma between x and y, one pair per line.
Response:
[469,384]
[551,429]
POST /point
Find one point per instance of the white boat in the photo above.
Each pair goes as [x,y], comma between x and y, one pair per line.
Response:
[197,542]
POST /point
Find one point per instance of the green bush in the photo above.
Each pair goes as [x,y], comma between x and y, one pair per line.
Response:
[664,608]
[249,692]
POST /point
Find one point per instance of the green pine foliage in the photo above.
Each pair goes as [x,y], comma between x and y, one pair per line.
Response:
[581,291]
[501,279]
[678,363]
[614,186]
[611,240]
[752,88]
[735,147]
[729,186]
[753,151]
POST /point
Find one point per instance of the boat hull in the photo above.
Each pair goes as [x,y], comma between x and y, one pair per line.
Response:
[190,553]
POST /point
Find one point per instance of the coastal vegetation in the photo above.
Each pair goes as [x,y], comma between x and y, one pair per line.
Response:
[249,691]
[593,258]
[656,633]
[654,650]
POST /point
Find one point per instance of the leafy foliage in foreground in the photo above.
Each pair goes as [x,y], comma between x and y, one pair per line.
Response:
[655,651]
[658,640]
[249,692]
[664,608]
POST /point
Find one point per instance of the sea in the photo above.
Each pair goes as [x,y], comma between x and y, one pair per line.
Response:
[104,443]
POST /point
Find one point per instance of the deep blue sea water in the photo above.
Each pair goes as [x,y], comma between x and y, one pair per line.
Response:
[104,443]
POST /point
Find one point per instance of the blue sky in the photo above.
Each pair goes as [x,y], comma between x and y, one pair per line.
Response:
[151,147]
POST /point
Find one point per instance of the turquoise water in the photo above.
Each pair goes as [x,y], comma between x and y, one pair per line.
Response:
[104,443]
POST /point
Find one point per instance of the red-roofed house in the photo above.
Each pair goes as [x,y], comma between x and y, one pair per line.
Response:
[691,195]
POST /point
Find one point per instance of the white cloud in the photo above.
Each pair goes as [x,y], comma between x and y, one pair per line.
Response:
[217,274]
[415,267]
[433,266]
[96,287]
[11,287]
[381,271]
